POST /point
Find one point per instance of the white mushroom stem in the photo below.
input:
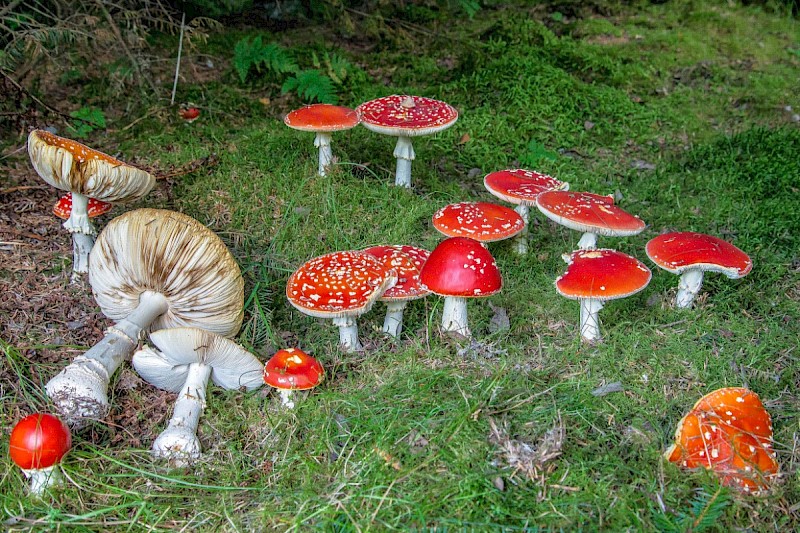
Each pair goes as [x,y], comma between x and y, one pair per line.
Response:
[404,153]
[348,333]
[393,323]
[286,398]
[323,142]
[521,240]
[179,443]
[42,478]
[688,287]
[588,241]
[83,233]
[79,392]
[590,319]
[454,315]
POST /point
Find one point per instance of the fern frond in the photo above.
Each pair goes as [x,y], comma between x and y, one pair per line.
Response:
[311,85]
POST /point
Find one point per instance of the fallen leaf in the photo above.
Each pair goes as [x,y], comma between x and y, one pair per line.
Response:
[608,389]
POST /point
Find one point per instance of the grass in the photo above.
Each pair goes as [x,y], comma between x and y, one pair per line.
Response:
[400,436]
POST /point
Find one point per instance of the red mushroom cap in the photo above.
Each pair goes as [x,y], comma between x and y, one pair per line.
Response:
[518,186]
[63,207]
[588,212]
[189,114]
[292,368]
[680,251]
[338,284]
[407,262]
[481,221]
[407,116]
[322,117]
[730,432]
[462,267]
[602,274]
[39,441]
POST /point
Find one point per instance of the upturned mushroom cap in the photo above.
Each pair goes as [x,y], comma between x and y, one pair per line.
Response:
[730,432]
[322,117]
[519,186]
[680,251]
[63,207]
[481,221]
[338,284]
[39,441]
[462,267]
[232,367]
[408,116]
[71,166]
[588,212]
[293,369]
[602,274]
[406,261]
[172,254]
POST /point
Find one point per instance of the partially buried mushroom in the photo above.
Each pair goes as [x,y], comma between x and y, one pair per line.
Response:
[182,362]
[150,269]
[86,173]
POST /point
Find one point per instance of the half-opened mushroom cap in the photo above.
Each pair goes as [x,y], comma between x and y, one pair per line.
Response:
[338,284]
[72,166]
[322,117]
[481,221]
[519,186]
[588,212]
[408,116]
[293,369]
[462,267]
[680,251]
[173,254]
[63,208]
[232,366]
[602,274]
[407,262]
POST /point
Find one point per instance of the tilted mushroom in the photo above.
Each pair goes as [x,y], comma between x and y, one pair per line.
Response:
[86,173]
[322,119]
[405,117]
[480,221]
[37,444]
[690,254]
[341,286]
[184,360]
[292,369]
[150,269]
[521,187]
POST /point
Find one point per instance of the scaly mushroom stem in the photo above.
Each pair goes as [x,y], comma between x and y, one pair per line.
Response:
[404,152]
[42,478]
[179,443]
[393,323]
[286,398]
[83,233]
[521,240]
[454,315]
[590,319]
[348,333]
[323,142]
[689,286]
[588,241]
[79,392]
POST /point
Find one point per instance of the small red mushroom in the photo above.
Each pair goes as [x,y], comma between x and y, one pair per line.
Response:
[481,221]
[37,444]
[322,119]
[189,113]
[292,369]
[63,208]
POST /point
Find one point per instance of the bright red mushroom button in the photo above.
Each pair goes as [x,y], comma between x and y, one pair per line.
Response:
[95,208]
[519,186]
[292,369]
[481,221]
[38,442]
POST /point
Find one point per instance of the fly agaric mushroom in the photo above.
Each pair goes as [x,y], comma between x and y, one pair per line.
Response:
[341,286]
[521,187]
[480,221]
[322,119]
[406,261]
[596,276]
[590,213]
[460,268]
[292,369]
[405,117]
[63,208]
[729,432]
[184,360]
[37,444]
[189,113]
[86,173]
[690,254]
[150,269]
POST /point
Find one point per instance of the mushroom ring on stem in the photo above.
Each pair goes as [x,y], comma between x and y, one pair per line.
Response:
[86,173]
[590,213]
[150,269]
[341,286]
[596,276]
[322,119]
[690,254]
[480,221]
[460,268]
[37,444]
[292,369]
[404,117]
[183,363]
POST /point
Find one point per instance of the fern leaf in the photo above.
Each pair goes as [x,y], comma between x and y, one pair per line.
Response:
[277,59]
[246,54]
[311,85]
[707,509]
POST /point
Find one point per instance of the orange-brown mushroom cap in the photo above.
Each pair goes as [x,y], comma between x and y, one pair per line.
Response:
[293,369]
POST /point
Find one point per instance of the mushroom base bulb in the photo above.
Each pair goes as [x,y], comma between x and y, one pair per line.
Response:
[177,445]
[79,392]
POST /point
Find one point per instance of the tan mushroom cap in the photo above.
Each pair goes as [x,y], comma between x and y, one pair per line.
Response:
[72,166]
[173,254]
[602,274]
[588,212]
[322,117]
